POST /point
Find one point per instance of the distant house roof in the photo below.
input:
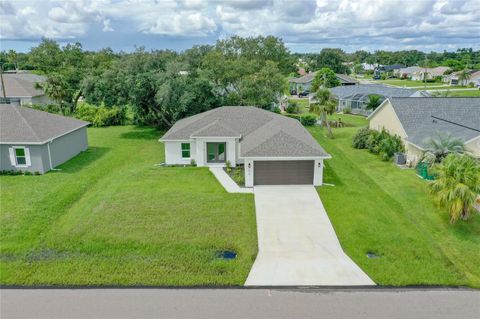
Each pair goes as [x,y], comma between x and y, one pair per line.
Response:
[345,79]
[391,67]
[261,133]
[379,89]
[423,117]
[307,78]
[410,70]
[21,85]
[25,125]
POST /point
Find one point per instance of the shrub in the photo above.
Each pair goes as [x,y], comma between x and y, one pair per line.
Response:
[381,143]
[228,166]
[390,145]
[360,139]
[308,119]
[347,110]
[277,110]
[238,175]
[100,115]
[293,108]
[193,162]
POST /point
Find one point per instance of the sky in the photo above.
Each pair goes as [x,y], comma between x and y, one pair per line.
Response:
[304,25]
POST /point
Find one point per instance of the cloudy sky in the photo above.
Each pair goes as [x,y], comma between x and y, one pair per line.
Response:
[304,25]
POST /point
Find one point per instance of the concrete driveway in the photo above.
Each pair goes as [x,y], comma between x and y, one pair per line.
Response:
[297,243]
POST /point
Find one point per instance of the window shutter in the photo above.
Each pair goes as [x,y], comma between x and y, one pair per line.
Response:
[11,152]
[27,157]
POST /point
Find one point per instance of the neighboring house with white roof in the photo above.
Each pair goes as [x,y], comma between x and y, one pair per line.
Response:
[274,149]
[21,89]
[355,98]
[406,73]
[37,141]
[454,78]
[416,120]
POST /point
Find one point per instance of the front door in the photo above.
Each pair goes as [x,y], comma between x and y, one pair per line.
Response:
[216,152]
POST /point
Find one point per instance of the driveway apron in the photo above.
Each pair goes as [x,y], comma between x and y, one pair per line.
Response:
[297,243]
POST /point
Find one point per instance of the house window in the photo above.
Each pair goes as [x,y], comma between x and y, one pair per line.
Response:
[185,150]
[20,157]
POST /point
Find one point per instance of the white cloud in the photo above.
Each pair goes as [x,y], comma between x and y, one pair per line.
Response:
[303,24]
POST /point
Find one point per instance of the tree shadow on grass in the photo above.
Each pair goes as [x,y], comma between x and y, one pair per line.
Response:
[82,160]
[142,133]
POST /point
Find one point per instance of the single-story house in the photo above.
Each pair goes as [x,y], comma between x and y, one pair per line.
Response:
[416,120]
[304,83]
[406,73]
[454,78]
[37,141]
[274,149]
[355,98]
[21,89]
[429,73]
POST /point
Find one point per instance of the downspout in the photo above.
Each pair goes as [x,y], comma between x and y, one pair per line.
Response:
[50,157]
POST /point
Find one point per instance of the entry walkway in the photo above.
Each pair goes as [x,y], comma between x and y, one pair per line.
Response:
[227,182]
[297,243]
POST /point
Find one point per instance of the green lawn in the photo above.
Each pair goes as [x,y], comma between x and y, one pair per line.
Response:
[409,83]
[110,217]
[377,207]
[471,93]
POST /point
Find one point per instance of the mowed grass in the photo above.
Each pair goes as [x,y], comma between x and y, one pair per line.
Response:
[409,83]
[110,217]
[469,93]
[377,207]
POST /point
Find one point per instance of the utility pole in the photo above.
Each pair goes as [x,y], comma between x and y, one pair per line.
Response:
[3,84]
[425,73]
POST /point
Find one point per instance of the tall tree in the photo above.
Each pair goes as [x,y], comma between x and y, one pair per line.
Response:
[324,103]
[325,77]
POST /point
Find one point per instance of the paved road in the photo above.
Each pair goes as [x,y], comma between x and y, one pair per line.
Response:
[297,244]
[237,303]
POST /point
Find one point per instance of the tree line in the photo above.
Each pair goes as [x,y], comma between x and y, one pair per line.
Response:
[163,86]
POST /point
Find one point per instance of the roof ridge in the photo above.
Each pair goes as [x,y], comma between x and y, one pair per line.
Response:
[26,122]
[276,135]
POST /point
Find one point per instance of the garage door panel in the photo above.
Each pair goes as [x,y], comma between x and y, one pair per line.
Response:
[283,172]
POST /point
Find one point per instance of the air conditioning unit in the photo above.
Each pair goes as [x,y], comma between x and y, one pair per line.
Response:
[400,158]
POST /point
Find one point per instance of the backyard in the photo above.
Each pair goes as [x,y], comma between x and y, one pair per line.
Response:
[378,208]
[111,217]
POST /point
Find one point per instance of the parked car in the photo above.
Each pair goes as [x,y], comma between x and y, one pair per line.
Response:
[293,92]
[303,94]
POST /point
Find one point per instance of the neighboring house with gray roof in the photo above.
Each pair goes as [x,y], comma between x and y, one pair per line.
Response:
[37,141]
[273,148]
[304,83]
[355,98]
[21,89]
[416,120]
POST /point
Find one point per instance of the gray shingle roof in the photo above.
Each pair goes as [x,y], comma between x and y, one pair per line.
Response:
[264,133]
[346,79]
[415,114]
[307,78]
[21,85]
[20,124]
[384,90]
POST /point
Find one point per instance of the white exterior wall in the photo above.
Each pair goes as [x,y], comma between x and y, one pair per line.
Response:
[198,151]
[248,167]
[318,173]
[173,153]
[231,147]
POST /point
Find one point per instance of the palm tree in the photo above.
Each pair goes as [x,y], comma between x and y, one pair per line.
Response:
[463,77]
[443,144]
[457,185]
[325,103]
[373,102]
